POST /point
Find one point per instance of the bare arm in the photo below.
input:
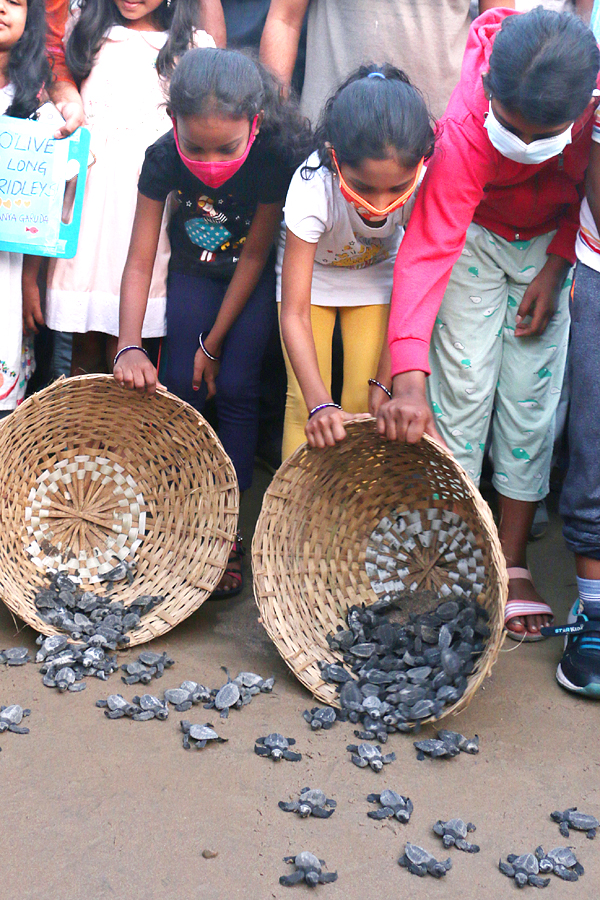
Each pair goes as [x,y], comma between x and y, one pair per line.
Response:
[134,370]
[65,97]
[281,34]
[484,5]
[212,20]
[326,427]
[584,9]
[32,308]
[245,278]
[296,327]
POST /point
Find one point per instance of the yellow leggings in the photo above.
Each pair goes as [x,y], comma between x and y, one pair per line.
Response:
[364,330]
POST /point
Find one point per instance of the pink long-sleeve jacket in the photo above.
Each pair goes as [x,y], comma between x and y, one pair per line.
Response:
[468,180]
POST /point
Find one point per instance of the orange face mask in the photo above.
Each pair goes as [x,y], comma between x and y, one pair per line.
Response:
[362,206]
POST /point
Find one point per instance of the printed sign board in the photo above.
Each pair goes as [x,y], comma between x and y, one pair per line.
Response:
[34,168]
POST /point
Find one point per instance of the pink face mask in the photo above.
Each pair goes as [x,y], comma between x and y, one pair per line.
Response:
[214,174]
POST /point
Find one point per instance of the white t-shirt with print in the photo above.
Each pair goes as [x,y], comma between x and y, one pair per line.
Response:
[354,262]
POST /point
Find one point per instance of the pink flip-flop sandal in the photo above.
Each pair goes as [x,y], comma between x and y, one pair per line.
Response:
[515,608]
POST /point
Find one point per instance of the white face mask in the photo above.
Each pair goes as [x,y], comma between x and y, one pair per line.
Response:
[509,145]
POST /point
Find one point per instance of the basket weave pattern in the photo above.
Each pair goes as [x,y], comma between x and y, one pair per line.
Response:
[324,521]
[91,475]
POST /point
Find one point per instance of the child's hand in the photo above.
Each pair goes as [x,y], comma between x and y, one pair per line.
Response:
[205,369]
[541,297]
[377,397]
[135,371]
[326,427]
[32,307]
[408,416]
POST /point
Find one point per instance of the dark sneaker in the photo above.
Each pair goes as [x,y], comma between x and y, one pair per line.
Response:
[579,669]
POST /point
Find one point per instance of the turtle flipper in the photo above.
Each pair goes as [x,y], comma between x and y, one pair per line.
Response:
[287,807]
[295,878]
[327,877]
[384,813]
[319,812]
[373,798]
[260,750]
[359,761]
[293,757]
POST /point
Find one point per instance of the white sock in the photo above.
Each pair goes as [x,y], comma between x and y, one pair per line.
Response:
[589,594]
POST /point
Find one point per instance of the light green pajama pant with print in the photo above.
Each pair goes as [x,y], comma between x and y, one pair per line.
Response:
[483,376]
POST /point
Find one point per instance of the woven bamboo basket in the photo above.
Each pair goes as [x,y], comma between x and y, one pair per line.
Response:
[348,524]
[92,474]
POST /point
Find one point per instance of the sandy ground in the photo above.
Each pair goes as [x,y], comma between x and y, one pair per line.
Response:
[94,809]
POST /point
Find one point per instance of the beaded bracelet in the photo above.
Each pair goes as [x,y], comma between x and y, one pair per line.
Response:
[125,349]
[316,409]
[380,385]
[204,350]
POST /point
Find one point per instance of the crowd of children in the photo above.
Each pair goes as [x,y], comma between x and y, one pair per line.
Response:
[461,233]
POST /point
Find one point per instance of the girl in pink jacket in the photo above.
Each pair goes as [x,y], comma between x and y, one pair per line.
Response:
[481,282]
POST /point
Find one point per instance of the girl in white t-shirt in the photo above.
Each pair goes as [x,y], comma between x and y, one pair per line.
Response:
[345,213]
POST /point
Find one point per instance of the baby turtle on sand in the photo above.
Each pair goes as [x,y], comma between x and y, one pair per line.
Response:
[392,804]
[364,755]
[562,861]
[198,736]
[149,665]
[571,818]
[311,802]
[277,747]
[465,744]
[446,745]
[253,683]
[141,709]
[309,869]
[15,656]
[435,749]
[419,862]
[453,834]
[320,717]
[524,869]
[186,695]
[11,718]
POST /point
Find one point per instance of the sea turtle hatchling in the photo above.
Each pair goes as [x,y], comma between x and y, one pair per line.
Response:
[561,861]
[199,736]
[465,744]
[391,804]
[186,695]
[15,656]
[364,755]
[224,698]
[525,869]
[571,818]
[320,717]
[311,802]
[277,747]
[309,869]
[454,833]
[419,862]
[435,749]
[11,718]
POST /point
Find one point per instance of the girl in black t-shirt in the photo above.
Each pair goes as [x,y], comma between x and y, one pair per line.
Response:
[228,160]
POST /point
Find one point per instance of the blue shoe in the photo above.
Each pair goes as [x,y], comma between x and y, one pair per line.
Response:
[579,669]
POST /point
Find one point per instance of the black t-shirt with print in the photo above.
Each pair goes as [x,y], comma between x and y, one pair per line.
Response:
[209,225]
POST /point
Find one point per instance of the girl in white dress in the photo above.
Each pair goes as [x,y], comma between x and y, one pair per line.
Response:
[24,71]
[121,53]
